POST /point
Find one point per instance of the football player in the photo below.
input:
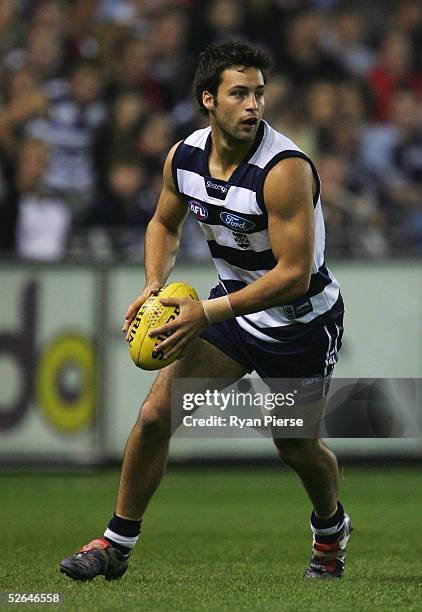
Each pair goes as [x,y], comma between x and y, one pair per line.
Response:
[277,308]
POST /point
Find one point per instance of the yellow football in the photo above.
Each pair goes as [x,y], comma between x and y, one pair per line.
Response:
[153,314]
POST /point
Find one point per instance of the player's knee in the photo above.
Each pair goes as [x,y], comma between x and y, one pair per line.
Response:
[296,451]
[153,422]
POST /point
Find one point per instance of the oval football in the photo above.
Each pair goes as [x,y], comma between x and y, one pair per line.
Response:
[153,314]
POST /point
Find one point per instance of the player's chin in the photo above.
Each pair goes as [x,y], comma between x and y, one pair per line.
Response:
[246,135]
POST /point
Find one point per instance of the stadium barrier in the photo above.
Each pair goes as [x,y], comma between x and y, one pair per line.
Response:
[69,392]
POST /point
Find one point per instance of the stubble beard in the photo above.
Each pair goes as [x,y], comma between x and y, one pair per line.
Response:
[233,136]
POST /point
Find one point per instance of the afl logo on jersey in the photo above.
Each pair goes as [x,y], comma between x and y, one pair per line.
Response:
[198,209]
[236,223]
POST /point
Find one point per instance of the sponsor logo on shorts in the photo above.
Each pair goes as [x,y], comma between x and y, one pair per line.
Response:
[312,380]
[236,223]
[295,311]
[198,209]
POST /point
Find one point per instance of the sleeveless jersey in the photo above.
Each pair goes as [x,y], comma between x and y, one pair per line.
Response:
[234,220]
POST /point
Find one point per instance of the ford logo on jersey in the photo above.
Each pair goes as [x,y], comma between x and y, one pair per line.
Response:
[237,223]
[198,209]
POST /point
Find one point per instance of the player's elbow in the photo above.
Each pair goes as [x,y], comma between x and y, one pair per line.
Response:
[299,290]
[299,283]
[304,282]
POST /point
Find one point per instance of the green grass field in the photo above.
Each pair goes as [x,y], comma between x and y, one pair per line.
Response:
[217,539]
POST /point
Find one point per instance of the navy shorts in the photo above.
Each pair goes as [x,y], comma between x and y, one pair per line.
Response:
[310,354]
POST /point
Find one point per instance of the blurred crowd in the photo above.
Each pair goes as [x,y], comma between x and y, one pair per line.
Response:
[93,93]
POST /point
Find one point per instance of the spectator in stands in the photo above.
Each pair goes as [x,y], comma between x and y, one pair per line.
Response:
[133,71]
[293,121]
[277,90]
[172,63]
[321,109]
[43,221]
[51,17]
[346,40]
[11,34]
[407,18]
[74,118]
[303,59]
[23,99]
[122,202]
[223,19]
[83,40]
[394,150]
[122,12]
[354,102]
[153,138]
[393,70]
[41,54]
[353,220]
[116,140]
[380,143]
[125,206]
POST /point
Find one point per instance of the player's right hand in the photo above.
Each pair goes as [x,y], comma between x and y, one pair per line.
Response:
[150,289]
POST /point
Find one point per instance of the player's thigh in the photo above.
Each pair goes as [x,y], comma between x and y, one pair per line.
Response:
[201,360]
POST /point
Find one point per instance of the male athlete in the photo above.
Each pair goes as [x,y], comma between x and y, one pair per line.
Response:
[276,310]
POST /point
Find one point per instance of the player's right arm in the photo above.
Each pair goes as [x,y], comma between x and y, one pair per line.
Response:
[162,239]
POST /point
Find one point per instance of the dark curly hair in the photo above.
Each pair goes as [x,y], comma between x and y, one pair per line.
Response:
[219,56]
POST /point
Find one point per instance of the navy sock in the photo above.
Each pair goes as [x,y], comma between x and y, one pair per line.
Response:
[327,531]
[123,533]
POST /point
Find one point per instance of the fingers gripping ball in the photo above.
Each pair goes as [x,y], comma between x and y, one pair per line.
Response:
[153,314]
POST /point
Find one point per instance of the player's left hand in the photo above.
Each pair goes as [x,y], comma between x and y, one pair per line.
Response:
[186,326]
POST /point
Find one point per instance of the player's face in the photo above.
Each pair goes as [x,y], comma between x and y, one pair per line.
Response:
[238,106]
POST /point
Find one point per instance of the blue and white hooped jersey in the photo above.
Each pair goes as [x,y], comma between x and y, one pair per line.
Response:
[233,218]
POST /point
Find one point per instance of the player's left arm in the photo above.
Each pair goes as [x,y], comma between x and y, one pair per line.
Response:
[288,196]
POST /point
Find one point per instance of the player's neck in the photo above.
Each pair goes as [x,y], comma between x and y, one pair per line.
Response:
[226,154]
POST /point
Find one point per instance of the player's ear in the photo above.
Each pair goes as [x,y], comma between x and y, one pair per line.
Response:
[208,100]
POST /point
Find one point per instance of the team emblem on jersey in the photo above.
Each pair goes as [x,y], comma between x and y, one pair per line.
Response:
[241,240]
[198,209]
[236,223]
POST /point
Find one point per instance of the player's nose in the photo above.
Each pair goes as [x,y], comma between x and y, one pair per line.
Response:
[252,102]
